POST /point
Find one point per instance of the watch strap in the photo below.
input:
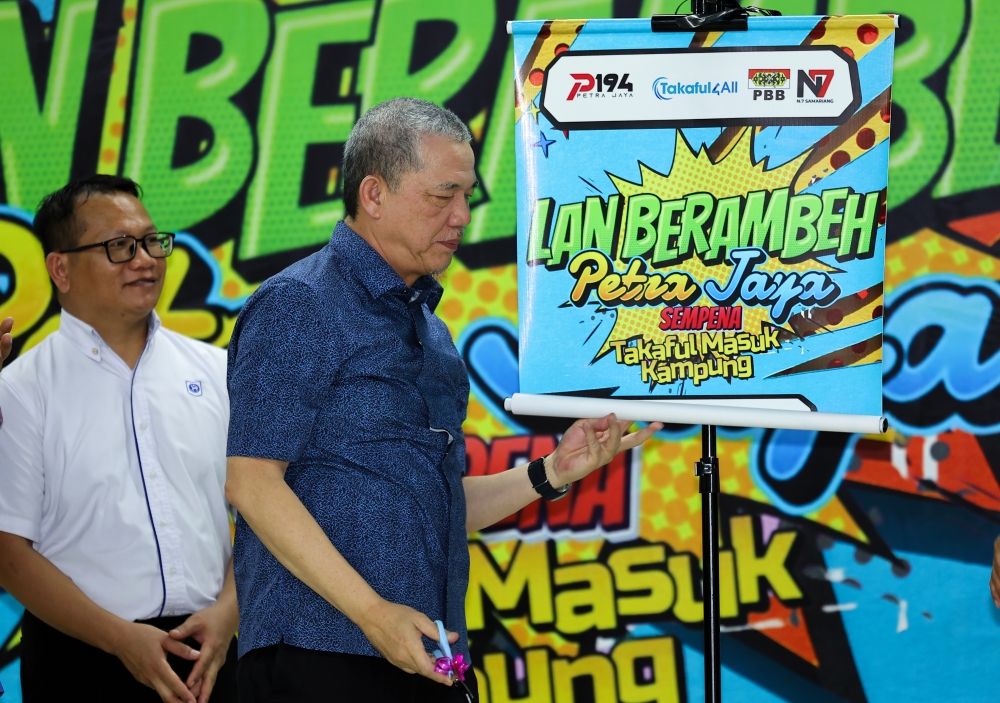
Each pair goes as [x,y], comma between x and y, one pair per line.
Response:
[540,482]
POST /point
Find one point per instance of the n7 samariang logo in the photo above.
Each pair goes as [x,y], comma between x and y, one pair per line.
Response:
[817,81]
[607,85]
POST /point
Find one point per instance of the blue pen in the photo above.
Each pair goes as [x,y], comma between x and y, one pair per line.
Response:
[443,641]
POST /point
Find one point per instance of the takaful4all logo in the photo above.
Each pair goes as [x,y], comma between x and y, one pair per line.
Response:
[665,89]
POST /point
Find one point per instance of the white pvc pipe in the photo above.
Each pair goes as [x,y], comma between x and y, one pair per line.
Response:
[692,414]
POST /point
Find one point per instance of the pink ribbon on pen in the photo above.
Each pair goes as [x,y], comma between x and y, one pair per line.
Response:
[443,665]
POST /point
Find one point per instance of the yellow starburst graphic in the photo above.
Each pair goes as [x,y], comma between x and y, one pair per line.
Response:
[732,172]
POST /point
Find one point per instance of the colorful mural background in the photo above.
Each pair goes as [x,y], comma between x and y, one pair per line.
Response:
[854,568]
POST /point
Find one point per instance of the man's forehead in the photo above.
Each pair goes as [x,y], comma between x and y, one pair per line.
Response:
[113,210]
[454,185]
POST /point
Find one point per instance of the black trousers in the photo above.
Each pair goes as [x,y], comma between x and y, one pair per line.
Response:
[285,674]
[56,667]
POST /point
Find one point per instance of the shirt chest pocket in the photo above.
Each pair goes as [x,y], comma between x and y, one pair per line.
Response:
[443,381]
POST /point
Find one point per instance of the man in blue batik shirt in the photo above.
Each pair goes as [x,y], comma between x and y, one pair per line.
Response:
[346,453]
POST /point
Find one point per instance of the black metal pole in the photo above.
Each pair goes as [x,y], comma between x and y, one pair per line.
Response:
[708,484]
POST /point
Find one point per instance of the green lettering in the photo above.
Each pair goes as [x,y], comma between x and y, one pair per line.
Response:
[693,223]
[537,251]
[166,91]
[803,211]
[863,223]
[829,217]
[289,123]
[760,229]
[36,143]
[974,96]
[495,217]
[725,229]
[917,155]
[663,253]
[567,235]
[640,234]
[600,224]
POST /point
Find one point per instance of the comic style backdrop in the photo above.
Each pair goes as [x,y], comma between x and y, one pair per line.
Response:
[853,568]
[746,265]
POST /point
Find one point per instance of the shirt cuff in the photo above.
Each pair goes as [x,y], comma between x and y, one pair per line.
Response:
[20,527]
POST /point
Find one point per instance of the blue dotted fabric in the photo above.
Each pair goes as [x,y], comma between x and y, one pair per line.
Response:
[339,368]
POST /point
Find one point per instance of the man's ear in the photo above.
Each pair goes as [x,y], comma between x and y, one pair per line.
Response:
[58,267]
[371,195]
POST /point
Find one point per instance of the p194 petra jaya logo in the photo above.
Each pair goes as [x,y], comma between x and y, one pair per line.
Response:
[607,85]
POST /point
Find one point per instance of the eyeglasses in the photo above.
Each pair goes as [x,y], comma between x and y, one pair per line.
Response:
[158,245]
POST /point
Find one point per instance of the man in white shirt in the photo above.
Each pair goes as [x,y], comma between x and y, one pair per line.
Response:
[114,528]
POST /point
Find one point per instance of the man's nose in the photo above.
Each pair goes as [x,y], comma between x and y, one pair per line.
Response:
[461,214]
[142,259]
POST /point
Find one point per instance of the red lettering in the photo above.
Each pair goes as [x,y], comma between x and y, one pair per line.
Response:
[603,490]
[504,449]
[731,318]
[502,453]
[477,456]
[679,315]
[713,323]
[703,314]
[667,315]
[691,323]
[530,517]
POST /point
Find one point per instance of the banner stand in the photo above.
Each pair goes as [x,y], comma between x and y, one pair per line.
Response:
[555,65]
[707,471]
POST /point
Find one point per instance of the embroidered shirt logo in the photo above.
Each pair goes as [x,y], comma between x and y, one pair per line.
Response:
[193,387]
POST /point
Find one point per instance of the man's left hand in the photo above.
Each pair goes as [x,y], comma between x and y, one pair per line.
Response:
[213,628]
[589,444]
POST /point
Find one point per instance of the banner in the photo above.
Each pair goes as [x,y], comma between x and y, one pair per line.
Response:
[855,567]
[658,260]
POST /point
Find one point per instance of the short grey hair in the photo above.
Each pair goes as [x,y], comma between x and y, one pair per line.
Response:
[385,142]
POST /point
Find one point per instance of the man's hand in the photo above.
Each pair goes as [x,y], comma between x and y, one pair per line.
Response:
[213,628]
[5,339]
[143,649]
[995,575]
[395,631]
[589,444]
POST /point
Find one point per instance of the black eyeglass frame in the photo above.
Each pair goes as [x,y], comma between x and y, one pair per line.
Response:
[145,240]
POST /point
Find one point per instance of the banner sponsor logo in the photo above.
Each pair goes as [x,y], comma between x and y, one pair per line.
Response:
[818,82]
[608,85]
[769,77]
[686,87]
[665,89]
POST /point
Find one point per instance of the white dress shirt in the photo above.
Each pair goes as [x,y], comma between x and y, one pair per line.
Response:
[116,476]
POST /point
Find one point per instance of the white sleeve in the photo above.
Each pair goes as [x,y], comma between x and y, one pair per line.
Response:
[22,480]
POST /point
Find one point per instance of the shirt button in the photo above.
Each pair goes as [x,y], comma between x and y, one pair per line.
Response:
[152,474]
[163,523]
[172,571]
[142,426]
[94,350]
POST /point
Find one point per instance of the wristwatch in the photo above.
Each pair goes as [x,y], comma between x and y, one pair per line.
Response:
[536,474]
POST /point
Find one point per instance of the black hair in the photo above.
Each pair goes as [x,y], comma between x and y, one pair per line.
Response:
[55,219]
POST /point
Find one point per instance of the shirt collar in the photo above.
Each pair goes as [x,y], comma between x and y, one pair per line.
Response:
[88,340]
[377,275]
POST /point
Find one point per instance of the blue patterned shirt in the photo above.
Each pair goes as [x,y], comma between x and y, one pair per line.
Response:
[339,368]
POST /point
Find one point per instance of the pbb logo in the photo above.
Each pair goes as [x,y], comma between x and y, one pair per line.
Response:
[769,77]
[606,85]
